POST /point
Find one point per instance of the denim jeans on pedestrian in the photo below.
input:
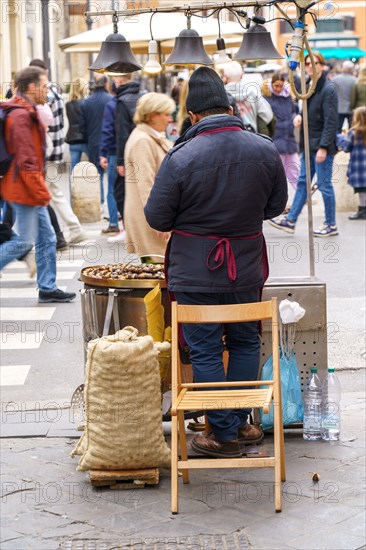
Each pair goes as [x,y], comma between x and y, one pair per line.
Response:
[111,201]
[76,150]
[101,177]
[33,225]
[323,171]
[94,158]
[206,347]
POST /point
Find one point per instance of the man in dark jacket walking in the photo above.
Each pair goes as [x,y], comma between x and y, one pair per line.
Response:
[91,122]
[213,191]
[127,96]
[323,117]
[108,157]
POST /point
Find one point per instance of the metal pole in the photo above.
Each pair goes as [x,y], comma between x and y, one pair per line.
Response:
[46,37]
[162,79]
[89,24]
[307,168]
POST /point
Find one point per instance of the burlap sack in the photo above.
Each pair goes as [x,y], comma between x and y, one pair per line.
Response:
[123,405]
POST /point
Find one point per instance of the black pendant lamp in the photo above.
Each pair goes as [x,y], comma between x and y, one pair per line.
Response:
[115,55]
[257,44]
[188,49]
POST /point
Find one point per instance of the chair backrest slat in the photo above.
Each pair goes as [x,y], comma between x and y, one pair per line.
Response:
[231,313]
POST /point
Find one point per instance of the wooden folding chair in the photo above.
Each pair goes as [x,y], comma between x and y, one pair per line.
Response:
[201,396]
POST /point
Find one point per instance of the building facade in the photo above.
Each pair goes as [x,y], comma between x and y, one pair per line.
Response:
[340,29]
[31,29]
[21,36]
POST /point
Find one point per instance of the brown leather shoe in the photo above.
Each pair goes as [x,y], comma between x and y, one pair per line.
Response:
[250,434]
[111,229]
[208,444]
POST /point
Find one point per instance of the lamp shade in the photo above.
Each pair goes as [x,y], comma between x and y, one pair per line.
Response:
[115,56]
[257,44]
[188,50]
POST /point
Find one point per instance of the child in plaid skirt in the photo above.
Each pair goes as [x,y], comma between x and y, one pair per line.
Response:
[354,142]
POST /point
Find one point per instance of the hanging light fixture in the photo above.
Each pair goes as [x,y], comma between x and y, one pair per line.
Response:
[257,44]
[152,66]
[188,48]
[115,55]
[221,48]
[223,57]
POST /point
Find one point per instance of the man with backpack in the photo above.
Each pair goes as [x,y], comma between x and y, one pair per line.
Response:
[54,156]
[23,186]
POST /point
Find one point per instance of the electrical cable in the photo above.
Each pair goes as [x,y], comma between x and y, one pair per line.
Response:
[237,16]
[151,33]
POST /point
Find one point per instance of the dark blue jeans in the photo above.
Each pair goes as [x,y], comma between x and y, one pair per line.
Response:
[323,171]
[206,347]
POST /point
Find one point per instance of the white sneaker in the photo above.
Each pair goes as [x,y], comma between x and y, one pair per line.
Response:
[79,237]
[30,260]
[120,238]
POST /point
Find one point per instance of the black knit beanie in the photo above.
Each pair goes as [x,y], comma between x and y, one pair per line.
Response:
[206,91]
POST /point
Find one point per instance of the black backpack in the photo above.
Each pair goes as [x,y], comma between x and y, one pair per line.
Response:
[5,156]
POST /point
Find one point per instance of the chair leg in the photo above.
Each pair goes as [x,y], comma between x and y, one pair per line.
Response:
[183,444]
[174,465]
[277,454]
[282,445]
[283,457]
[278,491]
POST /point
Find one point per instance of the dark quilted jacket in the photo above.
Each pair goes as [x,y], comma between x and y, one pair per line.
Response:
[222,184]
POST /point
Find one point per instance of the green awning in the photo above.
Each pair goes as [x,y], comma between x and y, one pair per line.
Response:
[341,53]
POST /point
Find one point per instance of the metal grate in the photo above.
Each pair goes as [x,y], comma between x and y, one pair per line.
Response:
[312,331]
[235,541]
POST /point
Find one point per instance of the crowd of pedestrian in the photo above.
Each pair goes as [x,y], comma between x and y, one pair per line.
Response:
[122,130]
[200,202]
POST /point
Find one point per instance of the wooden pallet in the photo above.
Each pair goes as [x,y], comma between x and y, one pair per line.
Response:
[124,479]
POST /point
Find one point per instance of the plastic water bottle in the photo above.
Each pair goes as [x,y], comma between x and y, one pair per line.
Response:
[331,410]
[312,407]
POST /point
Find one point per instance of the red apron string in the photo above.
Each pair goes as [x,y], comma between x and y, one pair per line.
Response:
[223,248]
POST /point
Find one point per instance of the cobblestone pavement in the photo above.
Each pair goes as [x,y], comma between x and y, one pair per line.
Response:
[47,505]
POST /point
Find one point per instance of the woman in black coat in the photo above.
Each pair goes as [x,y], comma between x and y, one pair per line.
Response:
[74,137]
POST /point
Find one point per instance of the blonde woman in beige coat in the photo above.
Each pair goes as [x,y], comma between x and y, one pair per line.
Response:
[145,149]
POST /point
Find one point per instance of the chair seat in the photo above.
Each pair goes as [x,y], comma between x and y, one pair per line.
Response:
[224,399]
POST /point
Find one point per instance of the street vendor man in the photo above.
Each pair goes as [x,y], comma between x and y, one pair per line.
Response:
[213,191]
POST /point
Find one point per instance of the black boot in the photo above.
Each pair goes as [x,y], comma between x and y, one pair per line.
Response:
[359,215]
[61,243]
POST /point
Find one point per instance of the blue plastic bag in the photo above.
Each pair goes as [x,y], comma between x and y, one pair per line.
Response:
[292,407]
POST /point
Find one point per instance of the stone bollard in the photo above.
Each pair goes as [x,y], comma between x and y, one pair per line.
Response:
[85,192]
[346,199]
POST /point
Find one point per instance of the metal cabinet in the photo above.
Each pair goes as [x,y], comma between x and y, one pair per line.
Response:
[311,336]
